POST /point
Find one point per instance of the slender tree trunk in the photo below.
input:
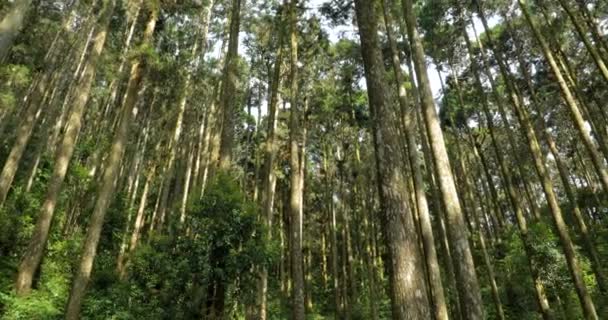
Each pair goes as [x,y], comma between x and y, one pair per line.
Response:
[539,163]
[203,146]
[333,232]
[37,243]
[106,189]
[173,148]
[33,107]
[24,132]
[335,261]
[565,177]
[186,187]
[111,100]
[296,176]
[596,123]
[582,33]
[515,198]
[436,197]
[596,120]
[575,114]
[468,284]
[174,145]
[369,260]
[570,193]
[600,41]
[596,265]
[268,172]
[140,217]
[500,314]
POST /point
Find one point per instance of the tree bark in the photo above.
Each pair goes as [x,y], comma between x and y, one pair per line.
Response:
[33,255]
[468,284]
[266,200]
[409,297]
[106,188]
[430,253]
[228,101]
[515,197]
[539,164]
[565,177]
[296,165]
[572,105]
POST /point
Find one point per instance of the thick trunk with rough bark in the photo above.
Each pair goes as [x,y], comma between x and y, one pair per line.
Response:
[228,101]
[430,253]
[409,297]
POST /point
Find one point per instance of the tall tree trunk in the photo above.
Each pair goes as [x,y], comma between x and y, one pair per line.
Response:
[597,124]
[572,105]
[268,169]
[432,264]
[173,147]
[111,101]
[228,101]
[140,216]
[34,102]
[409,298]
[296,201]
[203,143]
[24,132]
[468,284]
[187,182]
[515,197]
[600,41]
[333,229]
[539,164]
[369,258]
[33,255]
[435,193]
[582,33]
[106,188]
[565,177]
[476,222]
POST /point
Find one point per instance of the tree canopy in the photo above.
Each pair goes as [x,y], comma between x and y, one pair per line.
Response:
[303,159]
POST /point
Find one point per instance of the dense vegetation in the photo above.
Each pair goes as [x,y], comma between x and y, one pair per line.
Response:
[303,159]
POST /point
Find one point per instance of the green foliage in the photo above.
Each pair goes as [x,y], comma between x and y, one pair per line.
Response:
[17,220]
[47,301]
[168,276]
[14,80]
[227,223]
[52,282]
[513,273]
[222,240]
[38,305]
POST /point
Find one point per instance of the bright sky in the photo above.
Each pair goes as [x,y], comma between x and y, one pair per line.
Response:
[350,31]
